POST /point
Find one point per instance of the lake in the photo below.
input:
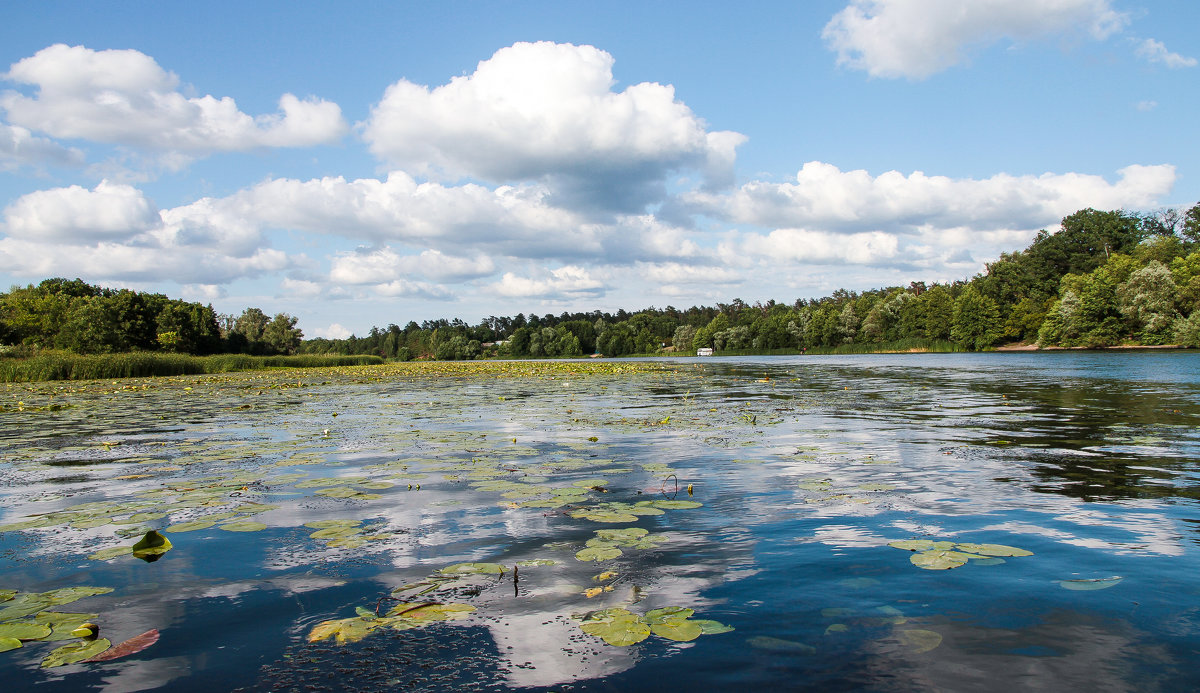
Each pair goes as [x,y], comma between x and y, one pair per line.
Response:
[999,521]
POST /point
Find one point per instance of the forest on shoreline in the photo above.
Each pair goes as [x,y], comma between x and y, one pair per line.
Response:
[1103,279]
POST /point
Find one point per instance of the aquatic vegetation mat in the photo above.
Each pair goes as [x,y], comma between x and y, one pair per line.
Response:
[603,521]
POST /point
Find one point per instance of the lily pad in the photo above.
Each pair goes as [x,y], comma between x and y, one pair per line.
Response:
[992,550]
[1091,584]
[242,526]
[111,553]
[344,630]
[62,624]
[681,630]
[921,545]
[473,569]
[326,524]
[203,523]
[669,613]
[919,640]
[75,652]
[152,544]
[673,504]
[7,644]
[939,560]
[711,627]
[621,632]
[598,553]
[24,631]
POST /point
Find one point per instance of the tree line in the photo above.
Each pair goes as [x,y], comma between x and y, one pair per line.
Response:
[76,316]
[1103,278]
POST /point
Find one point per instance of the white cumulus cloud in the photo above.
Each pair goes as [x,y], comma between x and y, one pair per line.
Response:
[19,147]
[110,211]
[1156,52]
[826,197]
[547,111]
[124,97]
[917,38]
[569,281]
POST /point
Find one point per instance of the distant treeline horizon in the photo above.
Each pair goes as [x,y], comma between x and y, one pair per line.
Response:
[1104,278]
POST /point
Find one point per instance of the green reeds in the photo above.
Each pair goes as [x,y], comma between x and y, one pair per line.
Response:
[65,365]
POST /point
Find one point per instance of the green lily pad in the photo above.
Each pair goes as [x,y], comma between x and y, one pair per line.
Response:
[939,560]
[711,627]
[7,644]
[24,631]
[598,553]
[326,524]
[536,562]
[75,652]
[242,526]
[681,630]
[335,532]
[346,543]
[672,504]
[473,569]
[31,523]
[152,544]
[620,632]
[432,612]
[921,545]
[111,553]
[1092,584]
[815,486]
[66,595]
[61,624]
[668,613]
[344,630]
[203,523]
[992,550]
[622,535]
[6,595]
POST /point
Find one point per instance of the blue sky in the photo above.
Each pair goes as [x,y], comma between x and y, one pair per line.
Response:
[365,163]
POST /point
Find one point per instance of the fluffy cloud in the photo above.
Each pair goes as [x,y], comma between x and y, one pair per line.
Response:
[110,211]
[917,38]
[565,282]
[114,261]
[1156,52]
[817,247]
[124,97]
[385,264]
[115,232]
[826,197]
[399,208]
[19,147]
[546,111]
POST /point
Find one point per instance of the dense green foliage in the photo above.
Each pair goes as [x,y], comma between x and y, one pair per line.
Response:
[1101,279]
[86,319]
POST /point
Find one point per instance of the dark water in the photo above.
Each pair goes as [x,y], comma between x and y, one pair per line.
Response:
[806,467]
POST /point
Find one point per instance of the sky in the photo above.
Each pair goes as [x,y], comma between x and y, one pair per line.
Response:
[360,164]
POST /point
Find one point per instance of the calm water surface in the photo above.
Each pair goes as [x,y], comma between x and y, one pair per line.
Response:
[806,469]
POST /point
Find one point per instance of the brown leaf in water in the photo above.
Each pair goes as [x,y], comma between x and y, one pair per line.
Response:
[133,645]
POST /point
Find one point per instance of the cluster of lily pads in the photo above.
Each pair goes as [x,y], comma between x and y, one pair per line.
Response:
[26,617]
[620,627]
[344,534]
[403,616]
[944,555]
[607,543]
[618,512]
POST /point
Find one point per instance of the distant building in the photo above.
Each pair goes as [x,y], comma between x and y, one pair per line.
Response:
[704,351]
